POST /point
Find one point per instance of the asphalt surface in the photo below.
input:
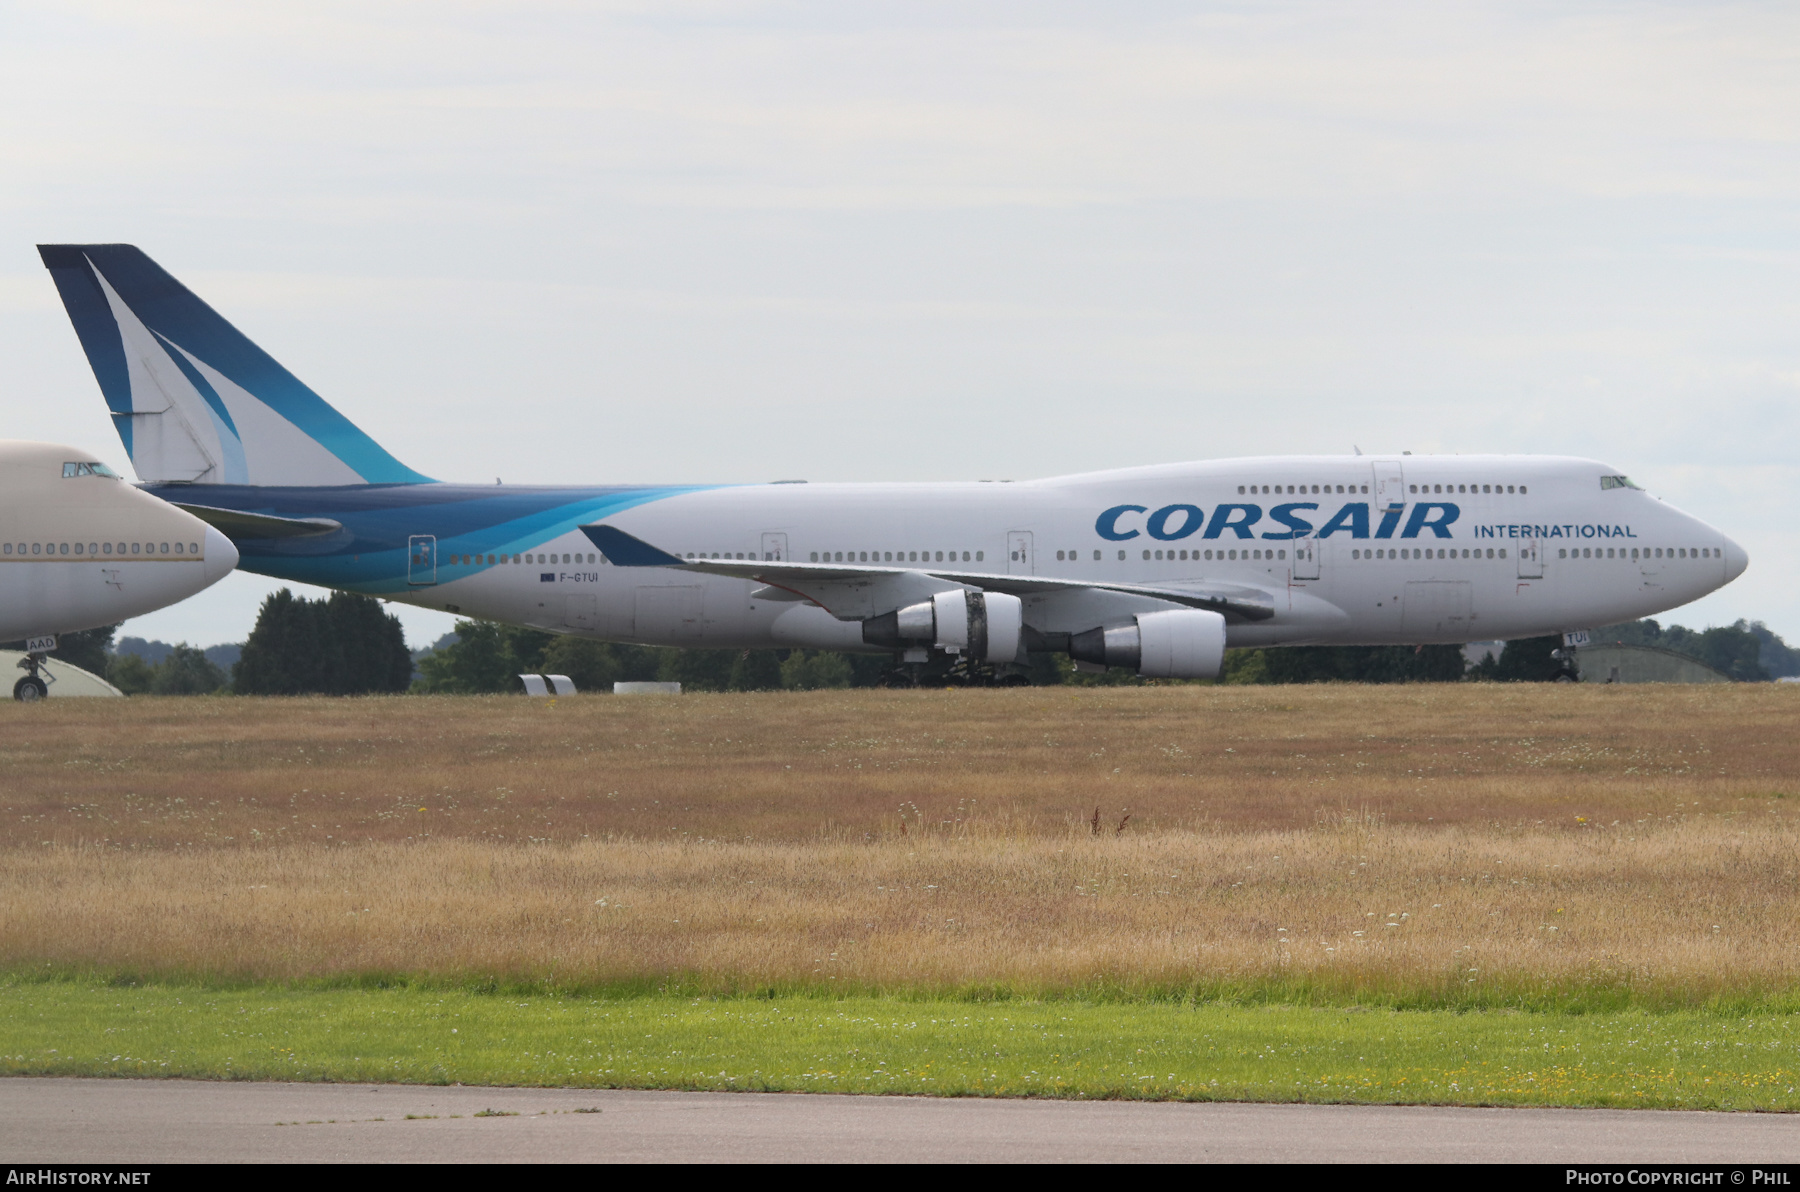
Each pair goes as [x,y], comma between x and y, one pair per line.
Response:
[59,1120]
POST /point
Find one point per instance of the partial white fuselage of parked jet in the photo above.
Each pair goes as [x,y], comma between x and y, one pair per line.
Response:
[80,548]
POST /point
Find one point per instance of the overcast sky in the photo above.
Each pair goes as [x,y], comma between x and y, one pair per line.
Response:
[722,242]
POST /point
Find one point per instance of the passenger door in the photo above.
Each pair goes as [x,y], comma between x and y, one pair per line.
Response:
[1389,491]
[1306,558]
[1019,560]
[1531,559]
[421,566]
[774,547]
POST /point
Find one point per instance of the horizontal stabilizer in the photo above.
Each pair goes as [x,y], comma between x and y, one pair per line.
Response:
[622,550]
[242,527]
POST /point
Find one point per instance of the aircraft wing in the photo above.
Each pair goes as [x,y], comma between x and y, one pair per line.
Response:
[851,591]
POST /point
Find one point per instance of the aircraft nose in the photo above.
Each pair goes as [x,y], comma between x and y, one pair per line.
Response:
[1736,560]
[221,556]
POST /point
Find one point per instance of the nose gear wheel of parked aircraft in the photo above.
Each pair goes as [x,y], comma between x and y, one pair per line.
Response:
[32,687]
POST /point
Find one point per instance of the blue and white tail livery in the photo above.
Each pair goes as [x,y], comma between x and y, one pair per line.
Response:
[1156,568]
[194,400]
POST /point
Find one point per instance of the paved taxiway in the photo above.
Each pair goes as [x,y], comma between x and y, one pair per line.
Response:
[55,1120]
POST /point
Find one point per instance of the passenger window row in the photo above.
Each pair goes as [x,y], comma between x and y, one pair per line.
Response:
[1649,552]
[1301,490]
[1466,488]
[1223,554]
[85,549]
[1415,553]
[462,560]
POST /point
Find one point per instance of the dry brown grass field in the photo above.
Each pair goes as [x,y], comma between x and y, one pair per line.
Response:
[1433,842]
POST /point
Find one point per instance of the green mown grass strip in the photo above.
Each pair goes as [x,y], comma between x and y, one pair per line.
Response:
[1144,1050]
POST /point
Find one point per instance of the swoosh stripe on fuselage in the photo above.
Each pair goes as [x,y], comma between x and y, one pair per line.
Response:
[369,554]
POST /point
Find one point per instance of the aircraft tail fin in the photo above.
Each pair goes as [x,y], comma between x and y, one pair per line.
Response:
[194,400]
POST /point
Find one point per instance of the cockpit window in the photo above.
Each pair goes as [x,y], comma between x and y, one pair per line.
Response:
[1607,482]
[87,469]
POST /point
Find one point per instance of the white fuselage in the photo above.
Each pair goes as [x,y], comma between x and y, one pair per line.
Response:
[84,549]
[1345,550]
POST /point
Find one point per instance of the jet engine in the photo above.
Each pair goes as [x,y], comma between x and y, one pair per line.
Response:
[984,625]
[1178,644]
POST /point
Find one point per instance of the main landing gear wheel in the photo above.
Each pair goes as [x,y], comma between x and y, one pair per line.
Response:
[30,689]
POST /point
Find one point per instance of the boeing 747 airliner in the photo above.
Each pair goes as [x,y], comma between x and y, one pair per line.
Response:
[1157,568]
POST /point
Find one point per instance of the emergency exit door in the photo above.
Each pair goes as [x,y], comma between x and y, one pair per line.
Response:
[1306,558]
[1531,559]
[1390,484]
[1019,559]
[421,563]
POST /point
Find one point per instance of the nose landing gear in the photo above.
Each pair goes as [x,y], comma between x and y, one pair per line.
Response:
[32,687]
[1571,666]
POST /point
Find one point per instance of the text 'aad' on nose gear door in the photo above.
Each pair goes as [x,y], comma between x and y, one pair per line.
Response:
[421,561]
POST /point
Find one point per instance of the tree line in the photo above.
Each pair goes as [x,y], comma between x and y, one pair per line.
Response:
[341,645]
[346,644]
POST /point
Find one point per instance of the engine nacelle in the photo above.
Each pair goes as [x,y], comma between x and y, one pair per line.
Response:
[1178,644]
[984,625]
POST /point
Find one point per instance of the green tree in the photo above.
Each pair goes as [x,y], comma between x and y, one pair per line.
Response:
[370,653]
[486,658]
[1776,657]
[1731,649]
[343,645]
[1740,650]
[479,662]
[698,670]
[130,674]
[595,666]
[186,671]
[591,665]
[1345,664]
[1111,677]
[812,670]
[755,670]
[281,656]
[1045,670]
